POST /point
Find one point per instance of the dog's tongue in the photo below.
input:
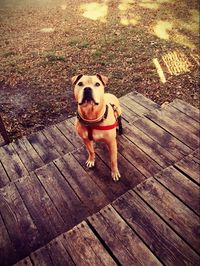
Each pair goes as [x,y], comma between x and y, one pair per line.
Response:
[88,101]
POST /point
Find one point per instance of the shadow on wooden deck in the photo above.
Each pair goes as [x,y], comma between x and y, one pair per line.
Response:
[80,216]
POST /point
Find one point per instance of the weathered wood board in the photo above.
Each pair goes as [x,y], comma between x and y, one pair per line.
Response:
[154,232]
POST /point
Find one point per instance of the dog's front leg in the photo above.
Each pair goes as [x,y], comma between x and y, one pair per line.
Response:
[113,158]
[91,154]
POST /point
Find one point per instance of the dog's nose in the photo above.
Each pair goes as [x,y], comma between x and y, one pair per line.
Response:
[87,90]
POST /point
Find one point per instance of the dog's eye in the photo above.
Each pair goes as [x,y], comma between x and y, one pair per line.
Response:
[80,84]
[97,84]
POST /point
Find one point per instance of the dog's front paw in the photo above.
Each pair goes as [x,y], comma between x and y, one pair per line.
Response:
[90,163]
[115,175]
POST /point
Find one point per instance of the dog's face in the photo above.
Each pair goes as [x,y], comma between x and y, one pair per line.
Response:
[89,89]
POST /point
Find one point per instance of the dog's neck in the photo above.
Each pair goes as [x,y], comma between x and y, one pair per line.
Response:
[90,111]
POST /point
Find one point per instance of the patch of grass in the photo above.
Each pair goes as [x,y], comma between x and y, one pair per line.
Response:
[9,53]
[79,43]
[74,68]
[117,74]
[73,42]
[111,57]
[52,57]
[97,54]
[12,64]
[113,39]
[83,44]
[20,70]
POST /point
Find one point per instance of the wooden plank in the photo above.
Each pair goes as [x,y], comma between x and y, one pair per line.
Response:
[119,236]
[119,250]
[27,154]
[44,214]
[43,147]
[7,251]
[152,148]
[64,198]
[144,101]
[178,131]
[18,220]
[196,153]
[4,179]
[72,120]
[181,186]
[24,262]
[41,257]
[194,158]
[180,217]
[84,247]
[130,175]
[155,233]
[182,119]
[186,109]
[92,240]
[88,192]
[133,106]
[138,158]
[68,130]
[190,167]
[58,254]
[163,137]
[100,174]
[61,143]
[12,163]
[127,114]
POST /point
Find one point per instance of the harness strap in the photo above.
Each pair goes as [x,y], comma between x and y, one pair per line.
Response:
[92,123]
[91,126]
[90,129]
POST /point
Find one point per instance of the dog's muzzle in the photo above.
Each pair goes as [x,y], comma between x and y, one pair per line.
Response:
[87,96]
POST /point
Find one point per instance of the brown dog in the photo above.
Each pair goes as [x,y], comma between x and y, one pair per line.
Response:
[98,115]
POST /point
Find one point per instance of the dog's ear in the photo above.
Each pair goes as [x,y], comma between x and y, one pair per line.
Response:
[75,79]
[103,79]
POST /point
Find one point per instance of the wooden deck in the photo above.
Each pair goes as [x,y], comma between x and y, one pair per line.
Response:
[54,211]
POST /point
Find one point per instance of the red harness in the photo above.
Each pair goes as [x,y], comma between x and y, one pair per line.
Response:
[91,127]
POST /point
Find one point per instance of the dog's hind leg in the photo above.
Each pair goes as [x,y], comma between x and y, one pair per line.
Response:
[120,130]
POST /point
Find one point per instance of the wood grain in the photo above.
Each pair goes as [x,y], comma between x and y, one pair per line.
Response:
[20,226]
[113,229]
[88,192]
[163,137]
[189,139]
[184,221]
[62,195]
[43,147]
[85,248]
[186,109]
[190,167]
[27,154]
[181,186]
[12,163]
[4,179]
[43,212]
[156,234]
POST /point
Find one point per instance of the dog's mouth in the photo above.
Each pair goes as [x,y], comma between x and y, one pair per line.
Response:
[88,97]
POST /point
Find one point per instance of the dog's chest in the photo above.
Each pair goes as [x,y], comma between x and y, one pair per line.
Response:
[96,134]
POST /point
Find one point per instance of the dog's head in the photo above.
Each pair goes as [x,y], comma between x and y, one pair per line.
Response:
[89,89]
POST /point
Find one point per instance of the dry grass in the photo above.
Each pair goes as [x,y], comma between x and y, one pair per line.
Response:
[42,47]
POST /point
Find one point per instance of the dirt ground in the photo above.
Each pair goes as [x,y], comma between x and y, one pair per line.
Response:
[148,46]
